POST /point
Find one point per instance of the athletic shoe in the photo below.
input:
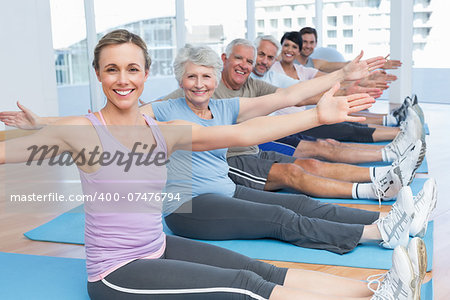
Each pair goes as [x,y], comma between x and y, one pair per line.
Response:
[424,204]
[394,228]
[406,166]
[419,112]
[400,112]
[423,151]
[410,132]
[414,100]
[398,282]
[386,187]
[418,255]
[411,116]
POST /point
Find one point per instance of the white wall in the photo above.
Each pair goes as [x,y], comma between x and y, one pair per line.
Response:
[27,59]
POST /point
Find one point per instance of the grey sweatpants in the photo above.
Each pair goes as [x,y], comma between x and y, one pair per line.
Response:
[190,270]
[254,214]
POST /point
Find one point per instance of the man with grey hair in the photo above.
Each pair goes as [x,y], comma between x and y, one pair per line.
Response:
[270,170]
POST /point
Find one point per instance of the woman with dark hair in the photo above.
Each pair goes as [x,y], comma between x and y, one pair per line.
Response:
[291,45]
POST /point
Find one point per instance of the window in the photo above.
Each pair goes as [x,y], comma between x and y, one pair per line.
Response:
[274,23]
[156,27]
[301,22]
[332,21]
[209,23]
[348,33]
[287,23]
[272,9]
[348,20]
[348,48]
[423,32]
[71,59]
[260,23]
[332,46]
[332,33]
[373,3]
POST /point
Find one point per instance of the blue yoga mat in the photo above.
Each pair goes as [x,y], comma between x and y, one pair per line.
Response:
[42,277]
[69,228]
[416,187]
[54,278]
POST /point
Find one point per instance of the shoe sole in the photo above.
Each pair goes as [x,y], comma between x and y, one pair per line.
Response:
[422,257]
[412,282]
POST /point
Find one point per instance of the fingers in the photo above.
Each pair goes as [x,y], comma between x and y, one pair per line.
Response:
[21,107]
[9,113]
[354,97]
[358,108]
[355,119]
[376,62]
[358,58]
[353,105]
[334,89]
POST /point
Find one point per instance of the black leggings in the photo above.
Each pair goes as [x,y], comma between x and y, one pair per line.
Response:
[190,270]
[344,132]
[254,214]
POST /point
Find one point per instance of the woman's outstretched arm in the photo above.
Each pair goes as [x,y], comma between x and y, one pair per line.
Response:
[263,129]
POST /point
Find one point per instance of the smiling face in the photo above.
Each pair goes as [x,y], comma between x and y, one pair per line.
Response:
[198,83]
[265,58]
[289,50]
[238,66]
[309,43]
[121,71]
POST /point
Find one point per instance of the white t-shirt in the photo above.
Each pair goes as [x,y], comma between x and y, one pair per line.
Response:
[282,81]
[303,73]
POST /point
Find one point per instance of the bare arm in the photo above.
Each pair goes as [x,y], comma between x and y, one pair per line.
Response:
[25,118]
[262,129]
[28,120]
[45,143]
[297,94]
[328,66]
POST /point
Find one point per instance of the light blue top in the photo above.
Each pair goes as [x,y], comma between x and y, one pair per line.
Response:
[208,169]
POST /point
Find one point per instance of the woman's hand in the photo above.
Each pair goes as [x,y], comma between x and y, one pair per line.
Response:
[358,69]
[23,119]
[332,109]
[357,87]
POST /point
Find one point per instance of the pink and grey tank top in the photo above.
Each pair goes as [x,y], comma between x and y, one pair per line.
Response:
[122,222]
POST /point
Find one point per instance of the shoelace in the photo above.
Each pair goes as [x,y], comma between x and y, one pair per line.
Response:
[378,192]
[380,292]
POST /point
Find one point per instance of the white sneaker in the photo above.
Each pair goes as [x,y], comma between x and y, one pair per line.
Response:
[418,255]
[394,228]
[410,132]
[387,187]
[400,113]
[406,166]
[412,117]
[424,204]
[398,282]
